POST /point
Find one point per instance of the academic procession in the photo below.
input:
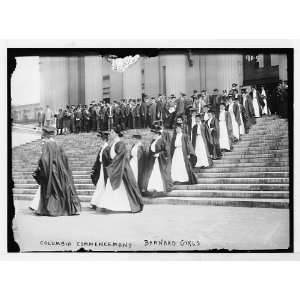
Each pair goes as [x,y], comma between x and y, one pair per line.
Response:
[188,132]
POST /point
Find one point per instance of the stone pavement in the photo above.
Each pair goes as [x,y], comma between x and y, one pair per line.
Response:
[177,227]
[22,136]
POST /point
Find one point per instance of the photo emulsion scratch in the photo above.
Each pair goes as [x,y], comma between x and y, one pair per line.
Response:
[150,150]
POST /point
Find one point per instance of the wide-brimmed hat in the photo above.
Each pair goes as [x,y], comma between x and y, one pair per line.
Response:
[103,134]
[156,129]
[48,130]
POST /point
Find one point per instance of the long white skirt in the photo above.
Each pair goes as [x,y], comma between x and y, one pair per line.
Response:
[242,127]
[256,108]
[34,204]
[134,167]
[200,150]
[235,126]
[265,110]
[155,181]
[100,189]
[178,170]
[116,200]
[224,138]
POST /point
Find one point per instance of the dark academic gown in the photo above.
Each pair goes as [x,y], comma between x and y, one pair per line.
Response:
[141,165]
[187,150]
[58,195]
[214,101]
[249,112]
[212,137]
[163,148]
[194,138]
[95,174]
[119,170]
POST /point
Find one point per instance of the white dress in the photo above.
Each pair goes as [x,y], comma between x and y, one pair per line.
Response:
[100,187]
[116,200]
[200,150]
[242,127]
[134,161]
[155,181]
[178,169]
[34,204]
[235,125]
[224,138]
[255,105]
[265,110]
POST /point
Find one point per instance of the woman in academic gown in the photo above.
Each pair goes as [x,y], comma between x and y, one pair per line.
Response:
[159,163]
[200,145]
[99,173]
[183,158]
[57,193]
[137,159]
[240,112]
[234,111]
[212,133]
[249,110]
[121,193]
[225,127]
[257,102]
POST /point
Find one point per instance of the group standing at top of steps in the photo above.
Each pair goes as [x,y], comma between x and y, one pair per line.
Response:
[121,178]
[141,113]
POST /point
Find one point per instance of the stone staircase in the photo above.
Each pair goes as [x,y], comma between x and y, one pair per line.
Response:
[254,174]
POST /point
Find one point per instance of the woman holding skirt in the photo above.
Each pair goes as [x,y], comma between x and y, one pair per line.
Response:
[158,163]
[136,159]
[233,109]
[56,195]
[99,173]
[225,128]
[121,193]
[200,144]
[182,152]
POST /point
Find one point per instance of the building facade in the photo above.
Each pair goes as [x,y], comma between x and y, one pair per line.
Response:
[81,80]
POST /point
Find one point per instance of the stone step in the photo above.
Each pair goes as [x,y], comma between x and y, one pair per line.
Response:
[236,187]
[239,180]
[88,186]
[32,181]
[250,164]
[236,202]
[238,168]
[244,174]
[33,191]
[18,196]
[249,160]
[258,155]
[28,176]
[229,194]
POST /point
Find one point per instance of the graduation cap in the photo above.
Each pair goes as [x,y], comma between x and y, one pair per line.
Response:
[203,91]
[49,130]
[182,94]
[156,129]
[178,125]
[118,130]
[198,116]
[137,136]
[103,134]
[195,91]
[215,90]
[172,96]
[157,123]
[234,85]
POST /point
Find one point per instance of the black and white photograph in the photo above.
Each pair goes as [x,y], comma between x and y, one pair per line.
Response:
[150,149]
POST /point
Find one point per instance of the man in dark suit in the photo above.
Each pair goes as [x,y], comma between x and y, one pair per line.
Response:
[143,113]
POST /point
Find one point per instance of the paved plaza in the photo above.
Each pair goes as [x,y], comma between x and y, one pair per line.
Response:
[158,227]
